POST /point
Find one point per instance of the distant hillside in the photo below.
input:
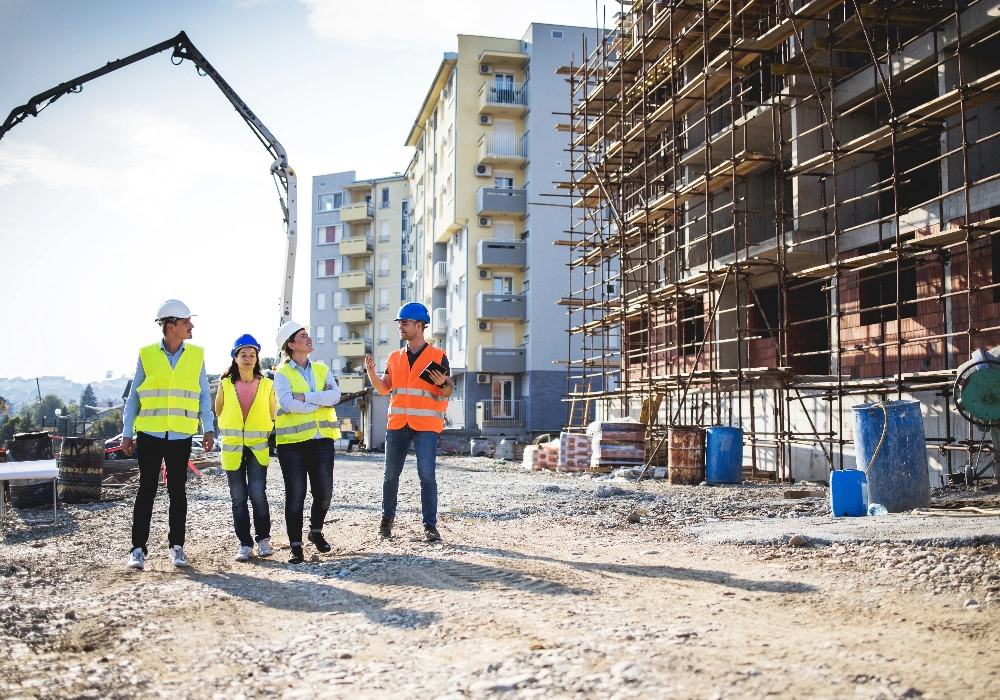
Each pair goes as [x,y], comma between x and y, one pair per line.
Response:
[18,391]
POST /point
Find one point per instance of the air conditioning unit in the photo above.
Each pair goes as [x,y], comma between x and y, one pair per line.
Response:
[482,378]
[483,170]
[485,274]
[485,326]
[485,69]
[485,119]
[485,221]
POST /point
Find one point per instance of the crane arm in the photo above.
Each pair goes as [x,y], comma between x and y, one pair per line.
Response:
[182,49]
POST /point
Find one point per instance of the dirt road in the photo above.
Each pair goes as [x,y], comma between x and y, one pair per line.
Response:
[540,589]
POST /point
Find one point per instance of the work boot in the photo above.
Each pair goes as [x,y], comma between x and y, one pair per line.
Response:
[431,534]
[385,528]
[297,556]
[316,537]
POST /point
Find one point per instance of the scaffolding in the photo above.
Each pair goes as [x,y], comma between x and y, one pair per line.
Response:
[781,209]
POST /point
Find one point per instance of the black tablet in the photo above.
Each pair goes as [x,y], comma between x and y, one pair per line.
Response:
[432,367]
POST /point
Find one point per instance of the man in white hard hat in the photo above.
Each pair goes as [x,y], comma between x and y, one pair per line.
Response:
[169,395]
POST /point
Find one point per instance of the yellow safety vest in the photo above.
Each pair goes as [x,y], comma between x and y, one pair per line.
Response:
[253,433]
[299,427]
[168,398]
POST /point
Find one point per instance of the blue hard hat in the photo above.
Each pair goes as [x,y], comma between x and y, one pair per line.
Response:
[245,341]
[413,311]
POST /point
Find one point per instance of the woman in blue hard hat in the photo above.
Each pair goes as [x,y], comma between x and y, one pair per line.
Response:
[245,407]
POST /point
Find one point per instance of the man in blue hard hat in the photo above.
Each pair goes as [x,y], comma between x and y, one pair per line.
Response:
[416,379]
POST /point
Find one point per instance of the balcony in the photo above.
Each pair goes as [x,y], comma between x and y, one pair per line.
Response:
[350,383]
[500,413]
[355,313]
[500,307]
[439,321]
[492,253]
[440,275]
[357,212]
[496,147]
[356,245]
[354,348]
[503,99]
[497,201]
[356,279]
[500,360]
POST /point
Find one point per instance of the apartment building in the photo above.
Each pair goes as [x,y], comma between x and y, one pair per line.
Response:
[358,261]
[486,155]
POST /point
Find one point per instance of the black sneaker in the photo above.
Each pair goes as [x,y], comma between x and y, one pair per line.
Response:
[431,534]
[385,528]
[297,557]
[321,544]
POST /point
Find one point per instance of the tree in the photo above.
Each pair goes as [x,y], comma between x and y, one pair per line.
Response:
[15,424]
[88,398]
[4,408]
[46,409]
[267,363]
[108,425]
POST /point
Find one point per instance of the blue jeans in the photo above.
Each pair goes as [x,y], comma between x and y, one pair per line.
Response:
[397,444]
[249,482]
[312,459]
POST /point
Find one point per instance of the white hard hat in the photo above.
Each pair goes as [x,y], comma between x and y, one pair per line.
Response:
[287,330]
[172,308]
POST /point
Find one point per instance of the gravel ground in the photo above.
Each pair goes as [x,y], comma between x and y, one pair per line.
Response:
[546,585]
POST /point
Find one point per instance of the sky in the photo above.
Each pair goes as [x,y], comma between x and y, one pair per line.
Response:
[148,186]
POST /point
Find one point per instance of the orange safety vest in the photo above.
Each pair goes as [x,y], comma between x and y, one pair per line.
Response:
[412,401]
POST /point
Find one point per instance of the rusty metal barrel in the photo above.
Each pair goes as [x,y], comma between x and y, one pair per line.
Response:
[81,469]
[686,455]
[29,447]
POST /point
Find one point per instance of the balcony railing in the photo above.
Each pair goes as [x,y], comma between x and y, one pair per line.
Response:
[356,245]
[440,274]
[354,348]
[500,413]
[498,307]
[439,321]
[500,360]
[355,313]
[454,418]
[503,98]
[350,383]
[494,201]
[383,273]
[383,307]
[355,279]
[493,253]
[497,146]
[358,211]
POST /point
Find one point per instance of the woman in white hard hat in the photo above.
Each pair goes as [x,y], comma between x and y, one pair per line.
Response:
[305,428]
[245,407]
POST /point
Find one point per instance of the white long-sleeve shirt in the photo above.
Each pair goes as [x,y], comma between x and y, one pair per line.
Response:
[328,396]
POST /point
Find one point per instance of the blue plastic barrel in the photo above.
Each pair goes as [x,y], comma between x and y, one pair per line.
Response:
[848,493]
[898,476]
[723,455]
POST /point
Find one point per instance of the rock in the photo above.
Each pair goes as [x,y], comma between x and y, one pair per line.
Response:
[355,567]
[609,491]
[549,489]
[625,670]
[633,517]
[971,602]
[341,653]
[648,552]
[798,541]
[70,615]
[314,559]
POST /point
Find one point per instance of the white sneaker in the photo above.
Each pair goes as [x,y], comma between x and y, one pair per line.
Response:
[177,556]
[243,553]
[136,559]
[264,548]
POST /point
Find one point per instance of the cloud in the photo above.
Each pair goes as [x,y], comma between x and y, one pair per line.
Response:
[419,24]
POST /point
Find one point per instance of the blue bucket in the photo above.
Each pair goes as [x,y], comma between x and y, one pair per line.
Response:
[848,493]
[723,455]
[897,478]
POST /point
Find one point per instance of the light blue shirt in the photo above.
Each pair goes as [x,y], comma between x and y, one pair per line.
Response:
[204,400]
[329,396]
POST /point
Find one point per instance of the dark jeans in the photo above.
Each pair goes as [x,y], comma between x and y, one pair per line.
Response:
[397,444]
[150,452]
[250,482]
[312,458]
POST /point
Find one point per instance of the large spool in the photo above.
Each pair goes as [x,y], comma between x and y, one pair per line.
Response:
[81,470]
[30,493]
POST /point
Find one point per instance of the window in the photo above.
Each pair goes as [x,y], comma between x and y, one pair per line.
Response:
[694,326]
[448,188]
[503,285]
[877,287]
[338,299]
[557,34]
[383,265]
[383,299]
[321,301]
[383,362]
[329,234]
[503,179]
[338,333]
[461,287]
[383,233]
[329,202]
[319,334]
[384,203]
[383,334]
[330,267]
[461,338]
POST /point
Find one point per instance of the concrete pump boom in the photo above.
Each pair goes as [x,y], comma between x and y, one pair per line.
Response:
[280,170]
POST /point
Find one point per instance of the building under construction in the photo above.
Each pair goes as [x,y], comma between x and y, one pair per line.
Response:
[784,209]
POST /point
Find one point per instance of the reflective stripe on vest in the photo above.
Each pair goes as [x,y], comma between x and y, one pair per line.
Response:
[236,433]
[169,398]
[414,402]
[299,427]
